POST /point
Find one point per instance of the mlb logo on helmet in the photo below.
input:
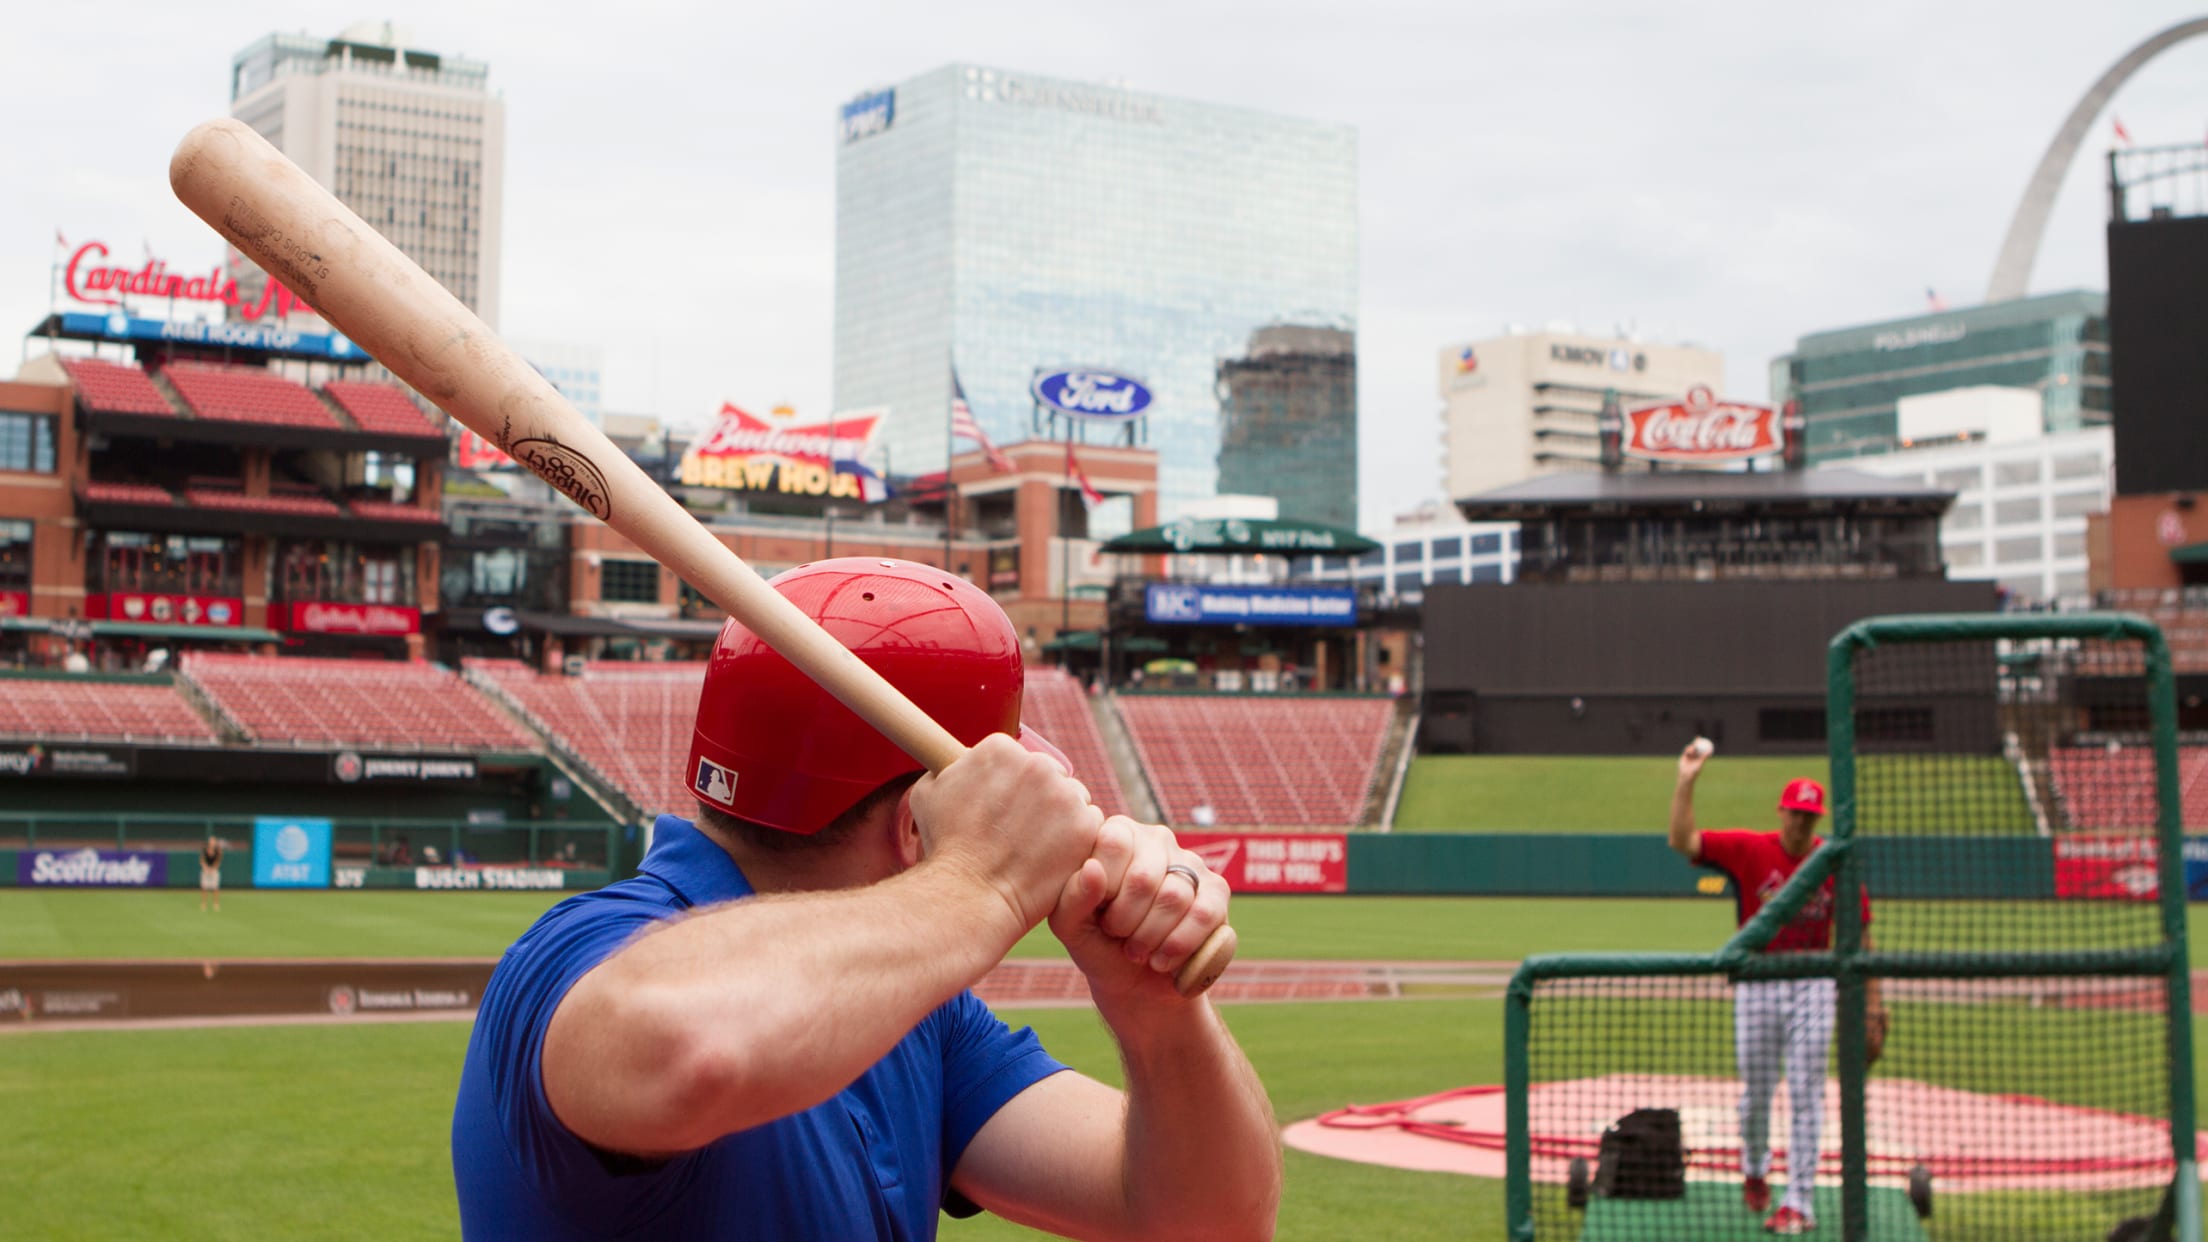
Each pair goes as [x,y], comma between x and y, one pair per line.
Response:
[1803,794]
[713,782]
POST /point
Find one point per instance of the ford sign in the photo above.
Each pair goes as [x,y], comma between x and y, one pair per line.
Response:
[1083,393]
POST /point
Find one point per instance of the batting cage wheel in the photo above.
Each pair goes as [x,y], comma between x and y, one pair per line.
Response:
[1920,1191]
[2003,873]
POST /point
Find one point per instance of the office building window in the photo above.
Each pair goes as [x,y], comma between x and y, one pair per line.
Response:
[1486,545]
[1487,573]
[1449,549]
[1965,517]
[27,442]
[2009,473]
[1410,552]
[1405,583]
[2071,543]
[2015,512]
[628,582]
[2078,466]
[1965,480]
[1448,573]
[1965,555]
[2013,551]
[15,556]
[2077,504]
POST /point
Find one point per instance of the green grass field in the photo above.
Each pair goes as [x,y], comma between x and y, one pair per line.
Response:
[340,1131]
[1571,793]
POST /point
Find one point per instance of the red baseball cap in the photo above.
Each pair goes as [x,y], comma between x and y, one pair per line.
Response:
[1803,794]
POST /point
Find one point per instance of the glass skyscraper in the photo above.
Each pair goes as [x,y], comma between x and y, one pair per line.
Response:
[1850,380]
[1003,223]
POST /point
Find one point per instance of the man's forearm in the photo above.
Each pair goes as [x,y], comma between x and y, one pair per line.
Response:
[760,1008]
[1203,1153]
[1682,816]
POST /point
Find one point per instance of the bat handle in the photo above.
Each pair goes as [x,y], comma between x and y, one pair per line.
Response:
[1207,963]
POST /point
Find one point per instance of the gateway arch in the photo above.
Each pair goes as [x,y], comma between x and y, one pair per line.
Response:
[2013,270]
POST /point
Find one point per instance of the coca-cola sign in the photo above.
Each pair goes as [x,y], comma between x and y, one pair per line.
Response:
[1701,428]
[88,279]
[383,620]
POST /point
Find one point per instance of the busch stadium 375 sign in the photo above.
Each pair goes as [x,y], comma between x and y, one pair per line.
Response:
[1701,428]
[743,453]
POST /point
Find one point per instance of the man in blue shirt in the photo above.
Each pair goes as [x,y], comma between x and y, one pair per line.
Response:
[769,1032]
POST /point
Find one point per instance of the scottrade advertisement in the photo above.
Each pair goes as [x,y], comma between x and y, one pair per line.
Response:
[291,853]
[89,868]
[1187,603]
[1274,862]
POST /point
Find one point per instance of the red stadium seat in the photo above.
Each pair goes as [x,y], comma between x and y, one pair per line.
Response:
[382,408]
[112,388]
[371,705]
[247,394]
[1258,761]
[629,723]
[303,506]
[124,493]
[2113,790]
[72,710]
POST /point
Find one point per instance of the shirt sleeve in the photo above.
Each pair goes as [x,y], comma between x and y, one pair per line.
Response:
[985,1064]
[517,1009]
[1721,848]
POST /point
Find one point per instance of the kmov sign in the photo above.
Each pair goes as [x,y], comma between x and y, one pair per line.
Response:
[1177,603]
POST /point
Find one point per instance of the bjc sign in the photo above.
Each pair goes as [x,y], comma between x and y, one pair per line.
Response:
[1701,428]
[89,279]
[1274,862]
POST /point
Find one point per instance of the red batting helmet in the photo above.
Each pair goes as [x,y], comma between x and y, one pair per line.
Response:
[1803,794]
[773,748]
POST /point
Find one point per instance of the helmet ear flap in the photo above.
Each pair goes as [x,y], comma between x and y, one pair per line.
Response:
[773,748]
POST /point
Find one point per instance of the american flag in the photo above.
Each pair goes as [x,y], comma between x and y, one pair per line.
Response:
[1933,299]
[964,427]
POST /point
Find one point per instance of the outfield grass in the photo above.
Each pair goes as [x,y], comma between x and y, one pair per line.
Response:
[1576,793]
[94,923]
[342,1131]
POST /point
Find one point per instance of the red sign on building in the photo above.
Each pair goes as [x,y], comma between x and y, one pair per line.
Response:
[15,603]
[90,278]
[1275,862]
[1701,428]
[140,607]
[2107,868]
[373,620]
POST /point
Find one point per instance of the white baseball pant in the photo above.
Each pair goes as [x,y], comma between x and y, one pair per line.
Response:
[1783,1022]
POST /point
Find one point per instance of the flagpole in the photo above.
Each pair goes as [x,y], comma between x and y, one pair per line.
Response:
[950,494]
[1065,554]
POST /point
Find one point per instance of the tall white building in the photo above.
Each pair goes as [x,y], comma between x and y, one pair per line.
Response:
[2021,497]
[1525,404]
[412,140]
[577,370]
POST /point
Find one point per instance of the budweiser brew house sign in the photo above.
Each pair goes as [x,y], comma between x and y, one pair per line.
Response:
[1701,428]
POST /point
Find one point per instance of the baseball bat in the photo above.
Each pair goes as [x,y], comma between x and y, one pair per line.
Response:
[299,233]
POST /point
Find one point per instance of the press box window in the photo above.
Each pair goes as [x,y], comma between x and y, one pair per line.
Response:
[628,582]
[27,442]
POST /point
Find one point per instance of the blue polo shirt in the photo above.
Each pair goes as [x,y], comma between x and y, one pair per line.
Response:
[873,1162]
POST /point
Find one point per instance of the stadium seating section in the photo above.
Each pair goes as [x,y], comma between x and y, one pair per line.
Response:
[380,408]
[114,388]
[630,723]
[368,704]
[1056,705]
[2099,788]
[385,511]
[99,711]
[247,394]
[126,493]
[302,506]
[1281,762]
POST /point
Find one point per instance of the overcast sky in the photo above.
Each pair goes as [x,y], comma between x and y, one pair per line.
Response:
[1731,174]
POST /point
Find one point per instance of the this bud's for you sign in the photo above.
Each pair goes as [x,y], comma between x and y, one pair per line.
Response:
[1275,862]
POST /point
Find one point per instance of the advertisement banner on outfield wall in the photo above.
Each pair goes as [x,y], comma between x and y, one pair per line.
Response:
[2196,868]
[89,868]
[1275,862]
[291,853]
[2107,868]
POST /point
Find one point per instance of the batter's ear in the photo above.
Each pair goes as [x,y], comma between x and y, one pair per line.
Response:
[906,830]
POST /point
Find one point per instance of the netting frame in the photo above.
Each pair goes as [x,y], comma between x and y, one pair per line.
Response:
[1851,965]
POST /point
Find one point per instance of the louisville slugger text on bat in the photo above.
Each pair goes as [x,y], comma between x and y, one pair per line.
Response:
[276,214]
